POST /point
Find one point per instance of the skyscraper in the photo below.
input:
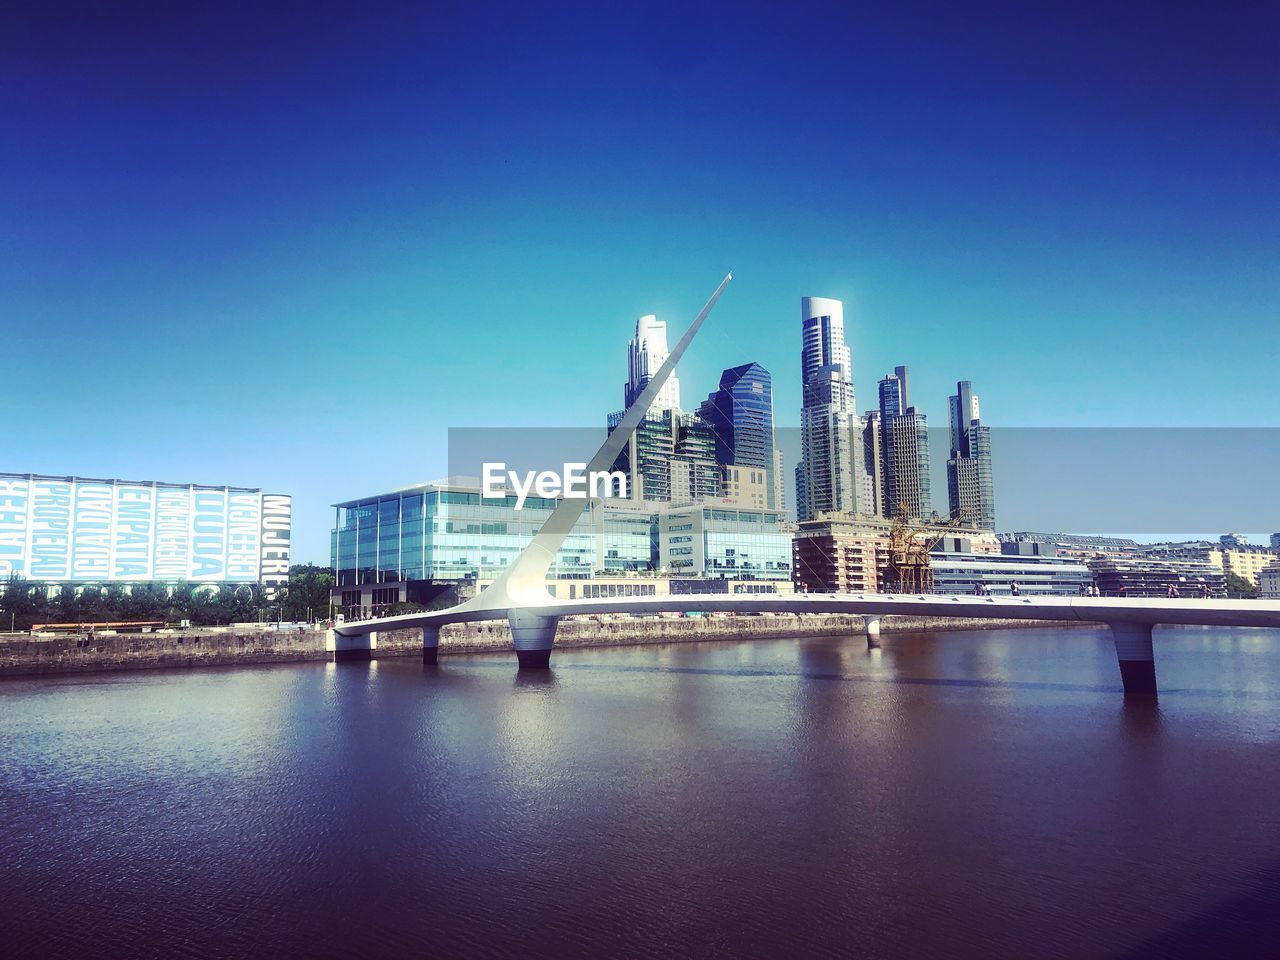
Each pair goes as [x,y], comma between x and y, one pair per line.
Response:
[740,415]
[904,445]
[672,454]
[970,489]
[873,464]
[646,352]
[670,457]
[827,478]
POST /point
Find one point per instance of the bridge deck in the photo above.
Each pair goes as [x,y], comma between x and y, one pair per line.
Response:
[1226,613]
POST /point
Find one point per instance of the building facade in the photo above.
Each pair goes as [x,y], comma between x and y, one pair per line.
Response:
[904,450]
[970,486]
[446,531]
[832,556]
[670,457]
[739,415]
[1269,582]
[962,572]
[646,353]
[88,530]
[722,540]
[828,475]
[1149,577]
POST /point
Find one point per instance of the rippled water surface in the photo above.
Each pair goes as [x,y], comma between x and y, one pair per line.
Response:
[983,793]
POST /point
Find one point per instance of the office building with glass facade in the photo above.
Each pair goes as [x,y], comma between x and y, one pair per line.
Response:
[446,531]
[722,540]
[739,415]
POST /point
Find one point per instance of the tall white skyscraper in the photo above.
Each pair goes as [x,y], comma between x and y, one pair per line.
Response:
[829,476]
[645,354]
[822,332]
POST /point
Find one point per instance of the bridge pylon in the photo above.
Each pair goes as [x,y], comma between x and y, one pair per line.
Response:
[1137,658]
[872,625]
[430,644]
[533,635]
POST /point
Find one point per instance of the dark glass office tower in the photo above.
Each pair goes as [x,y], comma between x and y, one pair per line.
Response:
[740,415]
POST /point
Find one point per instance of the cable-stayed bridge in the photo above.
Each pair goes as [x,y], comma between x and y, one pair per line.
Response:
[520,596]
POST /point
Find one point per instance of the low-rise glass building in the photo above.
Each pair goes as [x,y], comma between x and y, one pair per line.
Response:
[448,531]
[724,542]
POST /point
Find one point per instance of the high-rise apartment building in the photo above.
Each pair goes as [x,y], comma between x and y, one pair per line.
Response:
[740,415]
[671,457]
[672,454]
[970,490]
[873,464]
[904,449]
[828,478]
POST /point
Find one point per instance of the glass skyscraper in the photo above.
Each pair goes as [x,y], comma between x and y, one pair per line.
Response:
[740,416]
[970,488]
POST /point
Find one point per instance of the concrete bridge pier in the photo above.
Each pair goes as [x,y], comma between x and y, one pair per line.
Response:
[533,636]
[872,623]
[359,647]
[430,644]
[1137,658]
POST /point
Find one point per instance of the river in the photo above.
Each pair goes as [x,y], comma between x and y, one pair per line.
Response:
[963,793]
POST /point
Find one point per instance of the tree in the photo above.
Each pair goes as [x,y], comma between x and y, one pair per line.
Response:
[1238,586]
[24,603]
[307,593]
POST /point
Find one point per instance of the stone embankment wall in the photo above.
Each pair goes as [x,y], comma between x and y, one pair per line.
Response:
[24,656]
[21,655]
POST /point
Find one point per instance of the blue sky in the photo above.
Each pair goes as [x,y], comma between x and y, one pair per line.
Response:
[290,245]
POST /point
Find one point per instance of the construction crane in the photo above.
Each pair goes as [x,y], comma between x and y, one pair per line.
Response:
[909,570]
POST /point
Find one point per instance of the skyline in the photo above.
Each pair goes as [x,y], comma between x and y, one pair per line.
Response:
[223,299]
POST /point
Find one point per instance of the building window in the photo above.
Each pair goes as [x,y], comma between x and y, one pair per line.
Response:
[384,596]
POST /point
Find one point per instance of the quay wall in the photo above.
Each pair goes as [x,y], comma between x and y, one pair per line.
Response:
[22,655]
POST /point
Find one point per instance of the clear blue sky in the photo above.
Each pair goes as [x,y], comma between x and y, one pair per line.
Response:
[289,248]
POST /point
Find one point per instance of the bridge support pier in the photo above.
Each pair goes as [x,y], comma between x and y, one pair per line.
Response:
[873,631]
[1137,658]
[359,647]
[533,635]
[430,644]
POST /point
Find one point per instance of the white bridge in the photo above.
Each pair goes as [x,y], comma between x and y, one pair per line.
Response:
[520,596]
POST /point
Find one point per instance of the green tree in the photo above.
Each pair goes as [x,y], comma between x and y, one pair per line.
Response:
[307,593]
[1238,586]
[24,603]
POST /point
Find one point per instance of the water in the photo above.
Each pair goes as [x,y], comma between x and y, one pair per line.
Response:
[981,793]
